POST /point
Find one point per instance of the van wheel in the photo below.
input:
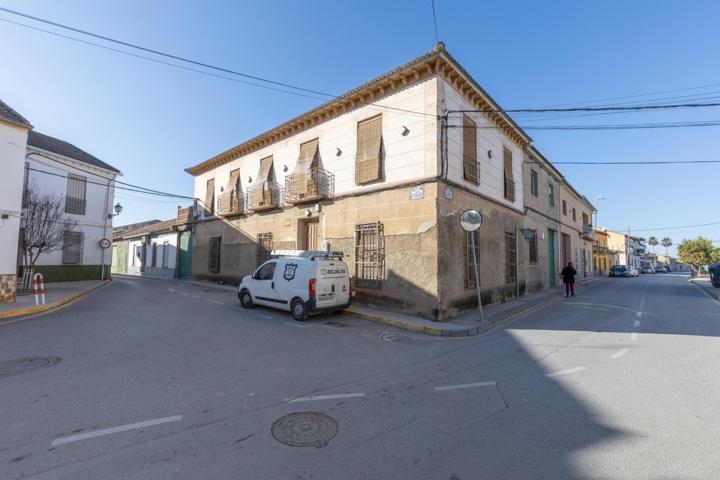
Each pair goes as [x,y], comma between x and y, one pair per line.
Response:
[246,299]
[298,310]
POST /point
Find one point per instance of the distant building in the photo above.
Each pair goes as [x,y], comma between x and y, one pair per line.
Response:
[13,140]
[576,231]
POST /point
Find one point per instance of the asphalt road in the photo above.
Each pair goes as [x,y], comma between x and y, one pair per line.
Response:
[161,380]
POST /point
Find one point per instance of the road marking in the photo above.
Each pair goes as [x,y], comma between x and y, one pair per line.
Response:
[171,290]
[215,302]
[565,372]
[619,354]
[642,298]
[109,431]
[299,325]
[266,317]
[638,314]
[184,293]
[466,385]
[324,397]
[633,337]
[637,323]
[195,296]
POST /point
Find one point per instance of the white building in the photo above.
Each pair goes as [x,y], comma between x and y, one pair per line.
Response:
[86,183]
[13,138]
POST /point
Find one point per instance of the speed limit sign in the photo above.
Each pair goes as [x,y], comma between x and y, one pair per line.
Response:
[105,243]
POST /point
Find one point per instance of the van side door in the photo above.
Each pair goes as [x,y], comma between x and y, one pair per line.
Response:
[264,284]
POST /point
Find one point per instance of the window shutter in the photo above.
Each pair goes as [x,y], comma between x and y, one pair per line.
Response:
[369,144]
[233,183]
[470,165]
[308,158]
[209,207]
[507,158]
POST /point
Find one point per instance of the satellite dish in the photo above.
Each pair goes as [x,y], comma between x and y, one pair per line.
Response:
[471,220]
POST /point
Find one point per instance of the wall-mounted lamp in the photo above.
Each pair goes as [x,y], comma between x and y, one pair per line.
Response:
[339,152]
[285,168]
[405,131]
[489,153]
[222,189]
[118,209]
[249,179]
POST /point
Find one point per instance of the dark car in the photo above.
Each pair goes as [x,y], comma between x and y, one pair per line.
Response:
[714,270]
[618,271]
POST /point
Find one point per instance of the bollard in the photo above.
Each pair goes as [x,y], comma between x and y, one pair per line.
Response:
[39,288]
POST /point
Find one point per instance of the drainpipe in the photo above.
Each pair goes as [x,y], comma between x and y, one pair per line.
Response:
[517,266]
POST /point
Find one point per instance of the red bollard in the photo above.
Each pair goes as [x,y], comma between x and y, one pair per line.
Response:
[38,288]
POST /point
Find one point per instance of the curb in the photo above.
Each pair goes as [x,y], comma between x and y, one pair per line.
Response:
[51,306]
[707,290]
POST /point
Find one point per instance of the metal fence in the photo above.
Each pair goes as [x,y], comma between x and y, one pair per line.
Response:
[309,185]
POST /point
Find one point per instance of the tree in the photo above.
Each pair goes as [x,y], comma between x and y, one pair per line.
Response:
[44,224]
[698,252]
[667,243]
[653,242]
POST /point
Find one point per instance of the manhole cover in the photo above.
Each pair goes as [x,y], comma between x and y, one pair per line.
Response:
[26,365]
[305,429]
[394,337]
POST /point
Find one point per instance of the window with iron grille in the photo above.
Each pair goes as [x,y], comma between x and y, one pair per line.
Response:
[72,248]
[469,265]
[551,194]
[533,183]
[508,174]
[470,164]
[510,260]
[214,257]
[533,250]
[574,215]
[75,196]
[369,254]
[564,207]
[264,247]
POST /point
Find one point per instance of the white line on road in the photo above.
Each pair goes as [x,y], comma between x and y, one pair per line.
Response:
[184,293]
[565,372]
[619,354]
[638,314]
[195,296]
[633,337]
[171,290]
[300,325]
[215,302]
[324,397]
[466,385]
[637,323]
[121,428]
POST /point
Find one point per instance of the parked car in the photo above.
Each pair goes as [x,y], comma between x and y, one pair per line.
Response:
[714,271]
[298,281]
[632,271]
[647,270]
[662,269]
[618,271]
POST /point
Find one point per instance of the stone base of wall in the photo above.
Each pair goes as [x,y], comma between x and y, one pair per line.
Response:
[7,288]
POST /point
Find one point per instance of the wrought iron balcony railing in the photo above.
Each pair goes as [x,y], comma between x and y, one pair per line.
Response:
[264,196]
[231,203]
[308,186]
[509,190]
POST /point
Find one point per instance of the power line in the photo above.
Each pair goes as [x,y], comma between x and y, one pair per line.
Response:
[184,59]
[635,108]
[651,162]
[666,228]
[437,37]
[617,126]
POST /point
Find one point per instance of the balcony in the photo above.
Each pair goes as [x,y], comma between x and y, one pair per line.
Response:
[264,196]
[231,203]
[184,215]
[509,190]
[309,186]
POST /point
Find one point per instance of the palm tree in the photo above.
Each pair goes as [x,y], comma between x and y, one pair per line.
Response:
[653,242]
[667,243]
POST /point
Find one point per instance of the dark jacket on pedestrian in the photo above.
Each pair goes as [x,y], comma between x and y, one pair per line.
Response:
[568,274]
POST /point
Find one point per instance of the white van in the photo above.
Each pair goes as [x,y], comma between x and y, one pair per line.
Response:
[299,281]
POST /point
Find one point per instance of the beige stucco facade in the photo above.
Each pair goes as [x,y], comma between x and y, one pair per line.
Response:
[576,232]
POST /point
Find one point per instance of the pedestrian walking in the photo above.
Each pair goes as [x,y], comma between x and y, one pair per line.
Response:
[568,276]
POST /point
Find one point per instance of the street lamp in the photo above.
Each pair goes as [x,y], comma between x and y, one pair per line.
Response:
[599,198]
[118,209]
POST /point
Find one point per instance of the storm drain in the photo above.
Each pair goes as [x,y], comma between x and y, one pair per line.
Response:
[305,429]
[26,365]
[394,337]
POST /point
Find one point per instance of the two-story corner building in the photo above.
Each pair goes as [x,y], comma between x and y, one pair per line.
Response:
[381,173]
[13,139]
[636,251]
[576,231]
[86,184]
[539,242]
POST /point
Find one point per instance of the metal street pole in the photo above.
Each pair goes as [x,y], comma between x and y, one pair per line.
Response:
[477,277]
[471,221]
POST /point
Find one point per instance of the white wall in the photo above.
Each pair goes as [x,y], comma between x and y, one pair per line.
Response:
[406,157]
[99,202]
[492,182]
[12,155]
[134,257]
[171,246]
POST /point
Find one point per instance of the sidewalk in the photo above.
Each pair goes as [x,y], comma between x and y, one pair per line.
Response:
[467,324]
[704,283]
[56,294]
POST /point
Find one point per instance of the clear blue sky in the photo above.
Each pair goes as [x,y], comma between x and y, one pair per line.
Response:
[151,121]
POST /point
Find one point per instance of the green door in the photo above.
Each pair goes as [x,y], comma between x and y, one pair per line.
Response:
[119,259]
[185,255]
[551,257]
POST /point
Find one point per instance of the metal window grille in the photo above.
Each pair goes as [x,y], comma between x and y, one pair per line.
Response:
[369,254]
[469,267]
[533,250]
[510,260]
[264,247]
[75,196]
[72,247]
[214,257]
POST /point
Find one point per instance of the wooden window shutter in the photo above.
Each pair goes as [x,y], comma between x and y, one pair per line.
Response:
[470,165]
[266,172]
[209,207]
[507,159]
[369,144]
[233,183]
